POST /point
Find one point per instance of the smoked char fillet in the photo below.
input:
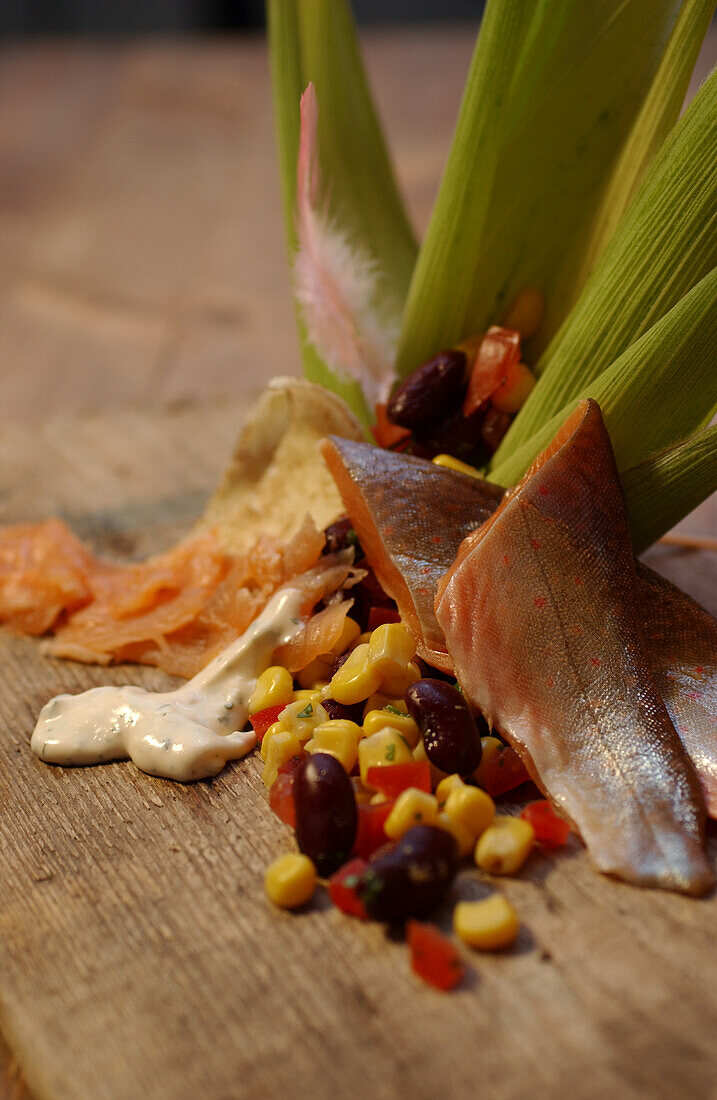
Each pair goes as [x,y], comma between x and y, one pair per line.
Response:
[680,640]
[410,517]
[541,617]
[384,491]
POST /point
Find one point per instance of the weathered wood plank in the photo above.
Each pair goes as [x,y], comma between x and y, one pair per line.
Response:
[139,957]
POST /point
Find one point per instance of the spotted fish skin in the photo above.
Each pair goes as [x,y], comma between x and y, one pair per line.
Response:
[680,639]
[410,517]
[540,615]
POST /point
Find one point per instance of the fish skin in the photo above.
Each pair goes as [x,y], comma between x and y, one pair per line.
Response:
[410,516]
[680,639]
[679,635]
[540,615]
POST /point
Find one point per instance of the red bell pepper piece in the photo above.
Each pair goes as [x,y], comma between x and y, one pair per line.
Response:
[499,350]
[550,830]
[265,718]
[433,956]
[370,835]
[281,792]
[391,779]
[342,888]
[503,773]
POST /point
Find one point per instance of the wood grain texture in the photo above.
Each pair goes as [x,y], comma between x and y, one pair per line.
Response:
[139,957]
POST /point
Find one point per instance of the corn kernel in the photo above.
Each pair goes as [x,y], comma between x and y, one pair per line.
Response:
[378,797]
[512,394]
[377,720]
[525,312]
[382,748]
[309,695]
[317,670]
[463,837]
[444,788]
[338,737]
[490,747]
[452,463]
[273,686]
[396,683]
[303,716]
[361,639]
[274,728]
[290,880]
[378,701]
[350,631]
[420,755]
[282,746]
[391,648]
[505,845]
[412,807]
[489,924]
[472,807]
[363,794]
[356,679]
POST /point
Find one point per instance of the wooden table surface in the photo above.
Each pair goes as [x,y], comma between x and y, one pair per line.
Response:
[143,300]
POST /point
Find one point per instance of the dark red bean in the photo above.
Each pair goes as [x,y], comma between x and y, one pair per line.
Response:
[411,877]
[495,426]
[450,734]
[326,813]
[339,536]
[343,710]
[456,435]
[430,392]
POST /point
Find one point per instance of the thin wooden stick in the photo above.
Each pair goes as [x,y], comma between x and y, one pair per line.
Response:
[690,542]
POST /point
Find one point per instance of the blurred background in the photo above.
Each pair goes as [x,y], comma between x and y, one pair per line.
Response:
[100,16]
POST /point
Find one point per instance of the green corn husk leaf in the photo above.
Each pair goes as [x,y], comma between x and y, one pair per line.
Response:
[661,390]
[664,489]
[521,212]
[665,243]
[315,40]
[435,313]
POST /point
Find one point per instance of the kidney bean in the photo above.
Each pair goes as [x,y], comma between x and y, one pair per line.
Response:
[430,392]
[343,710]
[326,813]
[339,536]
[495,426]
[411,877]
[450,734]
[456,435]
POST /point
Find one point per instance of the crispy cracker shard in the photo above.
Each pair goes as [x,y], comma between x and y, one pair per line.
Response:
[541,617]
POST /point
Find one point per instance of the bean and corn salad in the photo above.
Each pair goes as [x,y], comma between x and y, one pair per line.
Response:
[388,779]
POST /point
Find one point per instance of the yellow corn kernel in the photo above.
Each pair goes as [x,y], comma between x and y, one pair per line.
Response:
[303,716]
[282,746]
[489,924]
[444,788]
[350,631]
[272,687]
[512,394]
[382,748]
[274,728]
[377,720]
[412,807]
[391,648]
[377,798]
[356,679]
[338,737]
[309,695]
[396,683]
[317,670]
[378,701]
[420,754]
[361,639]
[472,807]
[290,880]
[505,845]
[452,463]
[363,794]
[525,312]
[463,837]
[490,747]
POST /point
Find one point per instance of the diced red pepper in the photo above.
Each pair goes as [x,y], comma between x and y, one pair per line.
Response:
[391,779]
[377,616]
[550,830]
[342,888]
[281,793]
[265,718]
[370,835]
[503,773]
[384,432]
[433,956]
[499,350]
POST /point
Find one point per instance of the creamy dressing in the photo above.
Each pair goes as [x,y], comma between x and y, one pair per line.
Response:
[185,734]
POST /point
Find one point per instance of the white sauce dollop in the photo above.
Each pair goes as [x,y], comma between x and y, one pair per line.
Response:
[185,734]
